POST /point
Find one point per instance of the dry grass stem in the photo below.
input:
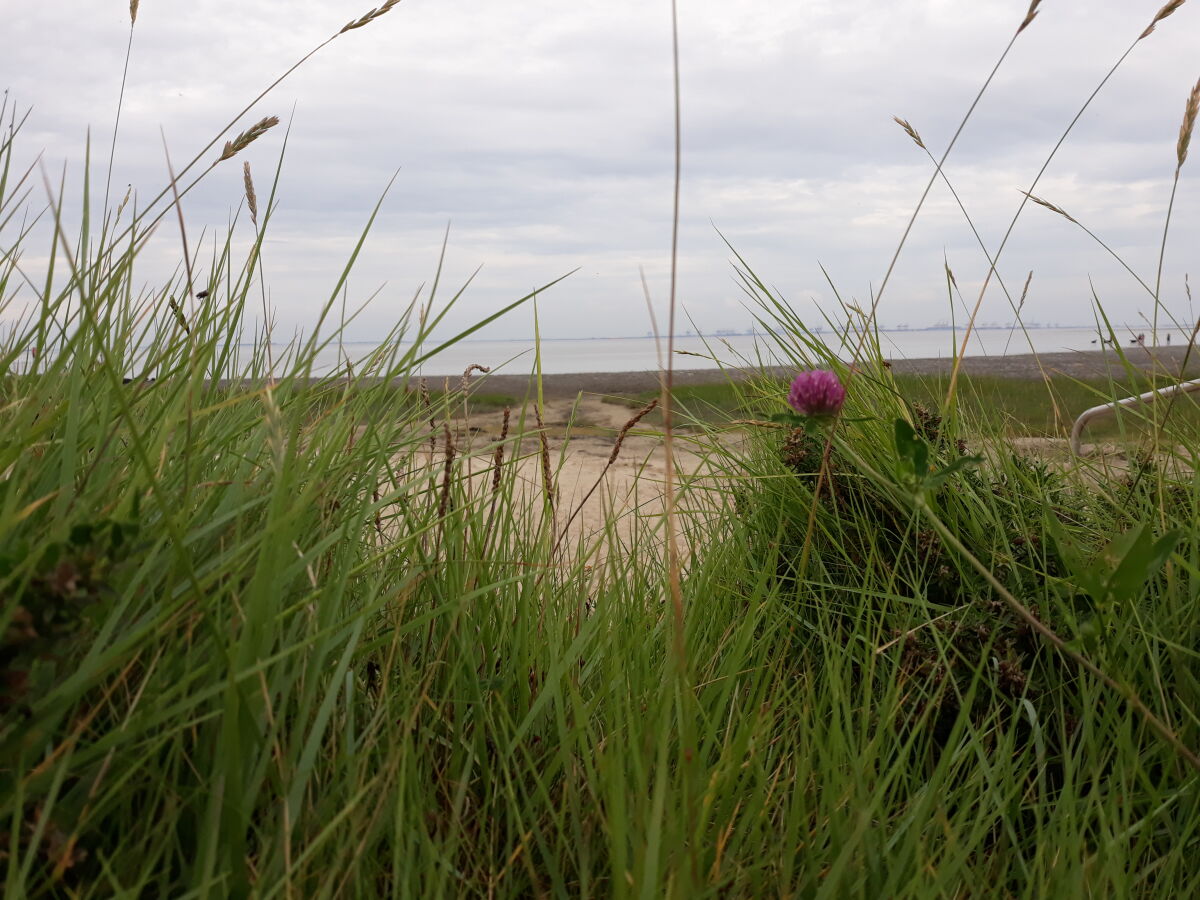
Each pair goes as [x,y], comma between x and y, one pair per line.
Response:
[248,137]
[1050,206]
[1189,123]
[369,17]
[910,131]
[612,458]
[251,197]
[1160,15]
[1030,15]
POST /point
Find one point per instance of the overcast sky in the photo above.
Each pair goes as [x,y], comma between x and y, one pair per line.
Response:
[541,132]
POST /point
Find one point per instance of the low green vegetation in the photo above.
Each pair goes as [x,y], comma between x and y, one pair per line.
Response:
[1018,406]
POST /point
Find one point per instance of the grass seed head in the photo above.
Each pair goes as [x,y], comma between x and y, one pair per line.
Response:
[547,471]
[625,429]
[466,375]
[248,137]
[1030,15]
[1169,8]
[910,131]
[497,468]
[124,202]
[498,454]
[369,17]
[1024,292]
[1189,123]
[179,316]
[1050,206]
[251,197]
[447,471]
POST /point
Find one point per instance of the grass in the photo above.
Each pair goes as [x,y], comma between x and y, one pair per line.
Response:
[290,636]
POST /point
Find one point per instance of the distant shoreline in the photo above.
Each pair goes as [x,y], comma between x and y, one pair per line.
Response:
[729,333]
[1076,364]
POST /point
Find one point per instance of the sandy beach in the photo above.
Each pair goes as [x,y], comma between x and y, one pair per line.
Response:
[593,492]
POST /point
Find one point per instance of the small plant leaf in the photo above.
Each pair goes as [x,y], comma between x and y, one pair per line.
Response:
[959,465]
[912,452]
[1120,571]
[1141,558]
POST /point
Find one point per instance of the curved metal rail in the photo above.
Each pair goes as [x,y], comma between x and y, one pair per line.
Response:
[1185,387]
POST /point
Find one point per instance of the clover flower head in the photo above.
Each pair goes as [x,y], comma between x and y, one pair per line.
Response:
[817,392]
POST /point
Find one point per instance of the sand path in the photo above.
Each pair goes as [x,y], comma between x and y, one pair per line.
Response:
[594,496]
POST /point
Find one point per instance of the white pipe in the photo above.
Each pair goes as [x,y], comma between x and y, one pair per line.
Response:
[1086,416]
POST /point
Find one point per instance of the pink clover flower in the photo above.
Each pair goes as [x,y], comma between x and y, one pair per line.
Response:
[817,392]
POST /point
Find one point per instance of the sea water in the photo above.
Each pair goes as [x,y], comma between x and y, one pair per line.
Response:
[638,354]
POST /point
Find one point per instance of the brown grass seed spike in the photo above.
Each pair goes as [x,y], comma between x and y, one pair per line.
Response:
[547,472]
[133,8]
[1189,123]
[641,414]
[447,472]
[1160,15]
[248,137]
[466,375]
[910,131]
[1025,290]
[369,17]
[498,455]
[1030,15]
[1050,206]
[251,197]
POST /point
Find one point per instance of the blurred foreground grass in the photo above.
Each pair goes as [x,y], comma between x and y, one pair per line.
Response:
[293,637]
